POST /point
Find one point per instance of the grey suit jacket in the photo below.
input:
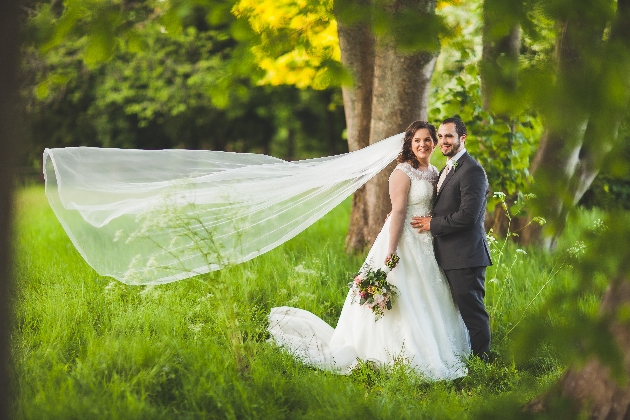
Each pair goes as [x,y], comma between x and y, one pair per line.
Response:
[458,215]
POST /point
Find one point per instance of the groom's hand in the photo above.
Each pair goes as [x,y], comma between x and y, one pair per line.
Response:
[423,224]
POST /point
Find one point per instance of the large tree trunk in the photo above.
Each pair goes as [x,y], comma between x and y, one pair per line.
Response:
[593,391]
[394,96]
[357,54]
[609,109]
[593,387]
[401,89]
[9,33]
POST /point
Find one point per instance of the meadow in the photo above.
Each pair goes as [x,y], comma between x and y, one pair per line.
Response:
[87,346]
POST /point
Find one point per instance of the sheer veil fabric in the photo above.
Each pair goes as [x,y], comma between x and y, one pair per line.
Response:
[157,216]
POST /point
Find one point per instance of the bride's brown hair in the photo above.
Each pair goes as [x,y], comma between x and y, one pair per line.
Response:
[406,154]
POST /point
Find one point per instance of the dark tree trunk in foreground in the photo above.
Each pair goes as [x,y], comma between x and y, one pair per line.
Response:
[592,387]
[390,91]
[591,390]
[594,390]
[9,32]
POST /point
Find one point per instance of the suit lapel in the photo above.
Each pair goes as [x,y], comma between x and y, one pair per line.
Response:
[460,162]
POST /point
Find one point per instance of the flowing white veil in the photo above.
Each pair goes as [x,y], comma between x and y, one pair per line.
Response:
[157,216]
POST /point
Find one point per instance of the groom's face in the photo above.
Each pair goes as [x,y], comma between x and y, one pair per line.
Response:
[450,143]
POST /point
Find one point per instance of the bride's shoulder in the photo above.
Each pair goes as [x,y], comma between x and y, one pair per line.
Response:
[405,168]
[429,174]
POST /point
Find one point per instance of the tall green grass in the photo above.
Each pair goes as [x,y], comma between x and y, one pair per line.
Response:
[86,346]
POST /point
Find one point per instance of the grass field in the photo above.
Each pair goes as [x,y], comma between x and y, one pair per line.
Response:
[86,346]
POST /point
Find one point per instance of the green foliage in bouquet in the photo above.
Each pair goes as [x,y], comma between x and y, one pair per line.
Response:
[373,289]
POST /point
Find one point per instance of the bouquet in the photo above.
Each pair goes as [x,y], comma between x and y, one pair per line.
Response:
[373,289]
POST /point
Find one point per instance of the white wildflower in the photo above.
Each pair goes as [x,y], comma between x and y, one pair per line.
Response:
[300,269]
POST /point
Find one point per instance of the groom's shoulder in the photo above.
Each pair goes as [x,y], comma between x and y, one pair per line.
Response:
[473,168]
[472,160]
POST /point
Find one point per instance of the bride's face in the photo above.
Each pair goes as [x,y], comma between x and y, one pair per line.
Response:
[422,145]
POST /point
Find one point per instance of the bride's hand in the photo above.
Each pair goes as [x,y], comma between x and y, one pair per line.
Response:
[392,259]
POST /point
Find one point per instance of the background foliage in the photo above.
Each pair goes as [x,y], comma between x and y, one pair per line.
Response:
[198,87]
[264,76]
[251,76]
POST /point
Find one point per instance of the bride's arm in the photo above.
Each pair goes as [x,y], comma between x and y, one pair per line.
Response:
[399,184]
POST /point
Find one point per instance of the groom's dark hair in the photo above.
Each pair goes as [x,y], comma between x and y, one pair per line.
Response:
[460,127]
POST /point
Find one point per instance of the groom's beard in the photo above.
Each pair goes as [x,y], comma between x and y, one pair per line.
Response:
[455,147]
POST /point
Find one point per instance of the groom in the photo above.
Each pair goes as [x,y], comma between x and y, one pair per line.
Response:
[460,243]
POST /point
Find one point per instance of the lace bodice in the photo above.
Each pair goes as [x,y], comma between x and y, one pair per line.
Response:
[420,198]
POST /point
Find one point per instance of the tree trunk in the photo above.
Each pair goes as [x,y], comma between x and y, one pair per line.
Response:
[602,131]
[558,154]
[582,131]
[592,390]
[401,89]
[390,92]
[592,386]
[357,54]
[9,42]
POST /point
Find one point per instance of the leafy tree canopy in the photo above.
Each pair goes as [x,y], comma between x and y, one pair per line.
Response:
[298,42]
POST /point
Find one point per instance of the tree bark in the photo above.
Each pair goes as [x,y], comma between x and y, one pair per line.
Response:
[9,43]
[401,89]
[357,54]
[583,127]
[557,157]
[607,117]
[390,92]
[592,386]
[592,390]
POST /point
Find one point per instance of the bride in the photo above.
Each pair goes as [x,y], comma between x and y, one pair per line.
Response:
[148,217]
[424,327]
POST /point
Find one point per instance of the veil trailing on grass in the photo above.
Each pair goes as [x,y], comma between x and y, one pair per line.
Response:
[157,216]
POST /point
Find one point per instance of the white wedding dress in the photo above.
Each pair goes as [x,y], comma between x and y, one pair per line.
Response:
[424,327]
